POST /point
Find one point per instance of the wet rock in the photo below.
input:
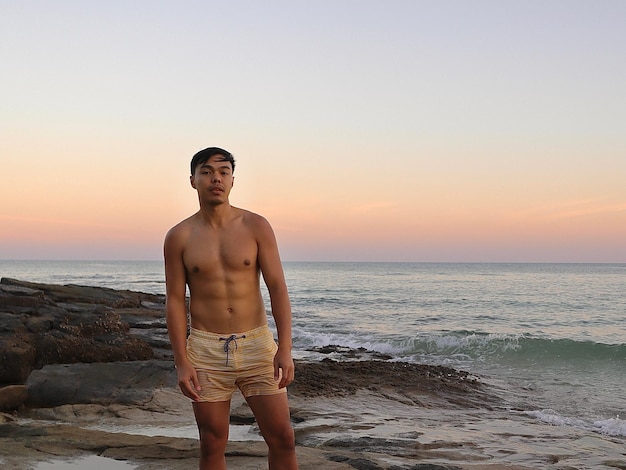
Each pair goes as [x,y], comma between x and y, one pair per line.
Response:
[363,464]
[12,397]
[72,293]
[427,466]
[100,383]
[399,381]
[17,359]
[6,418]
[42,324]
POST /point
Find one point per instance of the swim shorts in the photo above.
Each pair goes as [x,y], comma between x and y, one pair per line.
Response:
[225,362]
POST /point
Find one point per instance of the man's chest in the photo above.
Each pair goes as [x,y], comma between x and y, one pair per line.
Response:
[223,252]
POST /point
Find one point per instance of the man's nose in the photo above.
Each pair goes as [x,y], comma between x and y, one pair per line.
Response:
[216,177]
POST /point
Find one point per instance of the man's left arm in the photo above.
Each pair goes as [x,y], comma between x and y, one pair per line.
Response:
[274,277]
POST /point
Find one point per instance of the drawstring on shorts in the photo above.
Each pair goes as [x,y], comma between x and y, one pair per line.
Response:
[232,339]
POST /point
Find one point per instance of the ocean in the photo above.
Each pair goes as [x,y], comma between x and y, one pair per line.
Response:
[550,339]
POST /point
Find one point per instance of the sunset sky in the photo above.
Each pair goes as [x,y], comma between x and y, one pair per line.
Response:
[401,130]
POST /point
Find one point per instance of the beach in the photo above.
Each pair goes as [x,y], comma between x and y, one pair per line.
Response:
[99,391]
[346,416]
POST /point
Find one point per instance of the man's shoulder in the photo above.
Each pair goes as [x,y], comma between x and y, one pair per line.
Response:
[252,218]
[182,227]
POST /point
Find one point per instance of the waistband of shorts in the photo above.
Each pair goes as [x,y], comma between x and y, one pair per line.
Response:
[254,333]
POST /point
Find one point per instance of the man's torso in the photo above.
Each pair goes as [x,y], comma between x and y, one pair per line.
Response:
[223,275]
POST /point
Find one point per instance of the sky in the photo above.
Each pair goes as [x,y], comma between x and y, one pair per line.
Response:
[403,130]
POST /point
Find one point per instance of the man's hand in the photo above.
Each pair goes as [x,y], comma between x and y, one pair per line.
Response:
[283,362]
[188,381]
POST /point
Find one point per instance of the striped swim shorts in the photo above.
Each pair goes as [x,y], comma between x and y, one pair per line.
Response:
[225,362]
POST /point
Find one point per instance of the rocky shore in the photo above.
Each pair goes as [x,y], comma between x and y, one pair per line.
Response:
[80,367]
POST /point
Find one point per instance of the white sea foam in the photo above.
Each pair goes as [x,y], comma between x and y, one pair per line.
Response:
[610,427]
[308,339]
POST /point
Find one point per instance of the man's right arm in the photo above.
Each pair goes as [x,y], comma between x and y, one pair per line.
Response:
[176,312]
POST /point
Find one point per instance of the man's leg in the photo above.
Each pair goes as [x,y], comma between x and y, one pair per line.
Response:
[213,423]
[272,415]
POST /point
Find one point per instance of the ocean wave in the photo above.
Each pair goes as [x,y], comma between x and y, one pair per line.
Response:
[307,340]
[519,347]
[610,427]
[467,345]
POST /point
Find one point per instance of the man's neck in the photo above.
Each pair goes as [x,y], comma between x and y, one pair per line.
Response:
[216,214]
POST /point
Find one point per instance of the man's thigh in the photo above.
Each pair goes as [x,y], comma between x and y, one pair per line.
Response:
[212,417]
[271,412]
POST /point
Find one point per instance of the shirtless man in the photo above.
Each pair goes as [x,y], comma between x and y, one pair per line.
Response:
[220,252]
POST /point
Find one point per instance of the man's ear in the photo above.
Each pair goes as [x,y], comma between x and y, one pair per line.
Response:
[192,180]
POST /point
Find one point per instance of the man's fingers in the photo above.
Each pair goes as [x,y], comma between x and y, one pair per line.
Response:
[283,368]
[190,391]
[190,386]
[195,382]
[287,376]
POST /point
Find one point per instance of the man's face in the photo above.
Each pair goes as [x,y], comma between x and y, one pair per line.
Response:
[213,180]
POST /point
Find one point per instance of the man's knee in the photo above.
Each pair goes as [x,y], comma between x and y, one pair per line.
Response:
[282,438]
[212,443]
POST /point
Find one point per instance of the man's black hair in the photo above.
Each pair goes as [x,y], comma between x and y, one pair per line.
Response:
[203,156]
